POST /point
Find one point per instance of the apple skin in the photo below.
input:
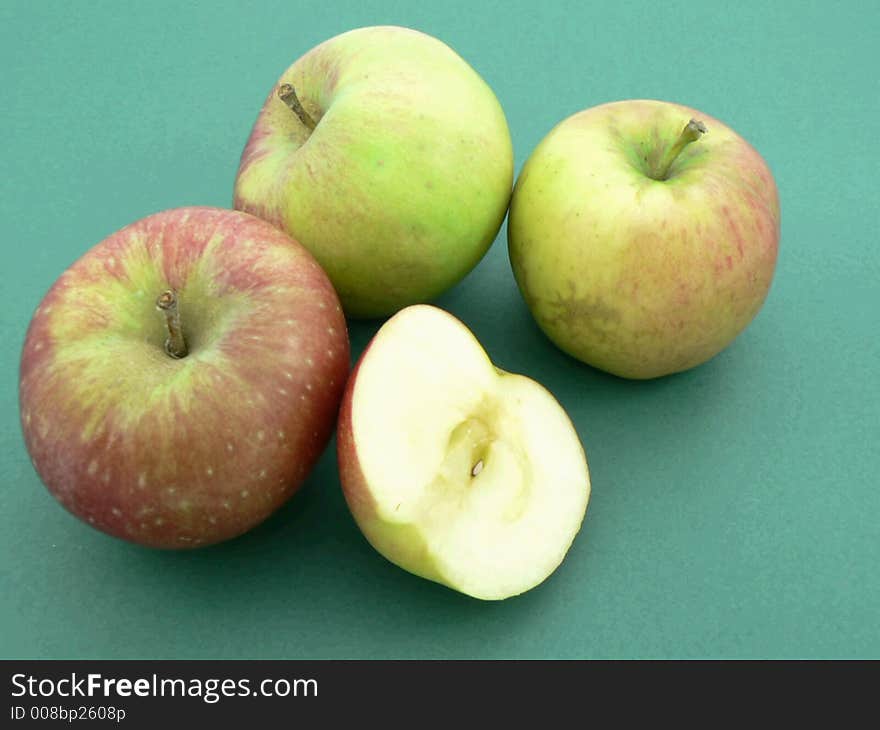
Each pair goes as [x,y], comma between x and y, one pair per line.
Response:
[180,453]
[402,186]
[637,276]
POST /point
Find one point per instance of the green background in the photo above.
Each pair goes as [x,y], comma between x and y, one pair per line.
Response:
[735,508]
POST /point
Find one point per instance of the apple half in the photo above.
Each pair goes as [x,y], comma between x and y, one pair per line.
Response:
[453,469]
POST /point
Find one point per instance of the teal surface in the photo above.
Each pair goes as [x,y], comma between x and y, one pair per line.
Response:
[736,508]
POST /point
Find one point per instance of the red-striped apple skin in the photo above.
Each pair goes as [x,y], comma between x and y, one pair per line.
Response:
[635,275]
[354,486]
[183,453]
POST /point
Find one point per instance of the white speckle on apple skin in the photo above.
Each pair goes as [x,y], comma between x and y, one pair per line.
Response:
[170,490]
[262,476]
[281,435]
[260,435]
[158,522]
[308,386]
[245,493]
[226,504]
[93,468]
[289,375]
[281,391]
[209,471]
[116,512]
[38,346]
[142,480]
[106,477]
[229,446]
[212,520]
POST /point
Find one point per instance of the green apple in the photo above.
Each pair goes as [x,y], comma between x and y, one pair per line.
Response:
[180,379]
[643,236]
[389,158]
[455,470]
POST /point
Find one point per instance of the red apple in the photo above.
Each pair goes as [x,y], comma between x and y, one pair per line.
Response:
[180,380]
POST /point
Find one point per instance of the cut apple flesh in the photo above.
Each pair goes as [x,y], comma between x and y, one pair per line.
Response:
[475,477]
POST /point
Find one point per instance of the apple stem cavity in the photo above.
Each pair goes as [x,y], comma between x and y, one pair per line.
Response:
[175,345]
[691,133]
[287,94]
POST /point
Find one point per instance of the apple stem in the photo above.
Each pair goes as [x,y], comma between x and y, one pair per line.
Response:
[691,133]
[287,94]
[175,345]
[478,467]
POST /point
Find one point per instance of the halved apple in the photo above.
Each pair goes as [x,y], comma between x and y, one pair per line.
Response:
[453,469]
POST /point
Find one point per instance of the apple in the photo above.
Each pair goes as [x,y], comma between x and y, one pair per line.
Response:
[643,236]
[453,469]
[181,378]
[389,158]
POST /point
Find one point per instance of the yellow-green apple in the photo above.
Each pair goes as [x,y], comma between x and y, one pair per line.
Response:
[181,378]
[453,469]
[643,236]
[389,158]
